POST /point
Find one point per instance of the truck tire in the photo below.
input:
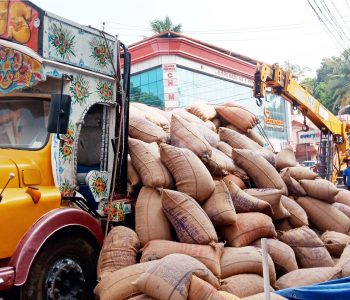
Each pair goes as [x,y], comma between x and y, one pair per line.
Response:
[65,268]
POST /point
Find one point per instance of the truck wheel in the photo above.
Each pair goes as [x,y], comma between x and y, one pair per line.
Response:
[64,268]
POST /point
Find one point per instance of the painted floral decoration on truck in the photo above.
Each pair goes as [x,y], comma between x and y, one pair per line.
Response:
[104,90]
[66,150]
[100,53]
[80,90]
[62,40]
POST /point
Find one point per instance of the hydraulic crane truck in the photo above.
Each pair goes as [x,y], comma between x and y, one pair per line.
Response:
[334,142]
[63,150]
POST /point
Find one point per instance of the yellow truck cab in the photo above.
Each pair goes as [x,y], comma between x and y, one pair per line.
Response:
[63,116]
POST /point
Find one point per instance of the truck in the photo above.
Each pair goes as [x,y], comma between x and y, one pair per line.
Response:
[63,150]
[333,152]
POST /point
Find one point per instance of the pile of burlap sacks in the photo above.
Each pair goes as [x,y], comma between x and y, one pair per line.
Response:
[207,192]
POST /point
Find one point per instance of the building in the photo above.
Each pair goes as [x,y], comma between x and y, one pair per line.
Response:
[170,70]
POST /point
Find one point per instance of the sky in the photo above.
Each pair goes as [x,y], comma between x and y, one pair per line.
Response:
[267,30]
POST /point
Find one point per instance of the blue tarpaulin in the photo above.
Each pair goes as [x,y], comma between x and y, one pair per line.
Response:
[338,289]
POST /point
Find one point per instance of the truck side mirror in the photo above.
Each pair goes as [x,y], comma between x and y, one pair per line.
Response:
[59,114]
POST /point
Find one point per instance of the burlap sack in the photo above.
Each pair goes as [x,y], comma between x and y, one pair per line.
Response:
[261,296]
[141,297]
[309,250]
[303,277]
[191,175]
[184,135]
[144,130]
[244,260]
[191,223]
[343,196]
[219,206]
[118,285]
[320,189]
[256,137]
[236,179]
[237,140]
[211,126]
[191,118]
[211,137]
[298,216]
[209,255]
[248,228]
[285,158]
[343,208]
[146,160]
[151,222]
[273,197]
[282,255]
[218,163]
[335,242]
[299,173]
[170,278]
[244,202]
[268,155]
[259,170]
[133,177]
[293,186]
[202,110]
[228,296]
[324,216]
[200,289]
[344,262]
[216,121]
[282,225]
[119,250]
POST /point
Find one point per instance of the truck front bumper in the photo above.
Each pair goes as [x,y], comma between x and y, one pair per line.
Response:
[7,278]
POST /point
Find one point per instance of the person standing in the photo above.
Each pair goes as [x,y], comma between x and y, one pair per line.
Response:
[346,175]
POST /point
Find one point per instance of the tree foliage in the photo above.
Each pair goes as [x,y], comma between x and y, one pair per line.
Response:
[159,26]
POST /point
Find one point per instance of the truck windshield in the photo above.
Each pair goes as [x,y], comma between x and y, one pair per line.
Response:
[23,123]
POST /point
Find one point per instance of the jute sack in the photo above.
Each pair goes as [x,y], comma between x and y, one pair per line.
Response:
[151,222]
[273,197]
[293,186]
[200,289]
[170,278]
[119,250]
[248,228]
[343,196]
[282,225]
[324,216]
[285,158]
[237,140]
[335,242]
[244,260]
[309,250]
[144,130]
[141,297]
[343,208]
[118,284]
[211,137]
[244,202]
[191,223]
[309,276]
[211,126]
[261,296]
[235,179]
[268,155]
[160,117]
[259,170]
[184,135]
[191,175]
[282,255]
[344,262]
[146,160]
[243,285]
[320,189]
[218,163]
[202,110]
[299,173]
[209,255]
[191,118]
[133,176]
[238,117]
[298,216]
[228,296]
[256,137]
[216,121]
[219,206]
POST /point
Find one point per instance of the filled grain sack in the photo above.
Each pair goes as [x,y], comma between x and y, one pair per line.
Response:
[200,289]
[343,196]
[243,285]
[211,137]
[256,137]
[335,242]
[228,296]
[244,260]
[343,208]
[344,262]
[119,250]
[235,179]
[248,228]
[191,223]
[259,170]
[142,129]
[324,216]
[133,177]
[282,255]
[308,276]
[293,186]
[268,155]
[244,202]
[118,285]
[147,162]
[209,255]
[170,278]
[184,135]
[320,189]
[282,225]
[216,121]
[237,140]
[191,175]
[202,110]
[211,126]
[309,250]
[141,297]
[219,164]
[273,197]
[151,222]
[191,118]
[219,206]
[261,296]
[298,216]
[299,173]
[285,158]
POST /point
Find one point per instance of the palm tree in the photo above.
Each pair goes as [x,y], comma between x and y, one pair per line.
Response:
[159,26]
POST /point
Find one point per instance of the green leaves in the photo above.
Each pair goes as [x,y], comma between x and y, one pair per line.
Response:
[159,26]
